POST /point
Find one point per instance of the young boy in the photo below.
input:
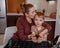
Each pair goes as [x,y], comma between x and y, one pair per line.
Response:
[38,30]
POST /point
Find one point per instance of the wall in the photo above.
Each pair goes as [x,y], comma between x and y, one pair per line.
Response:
[43,4]
[13,6]
[3,23]
[57,30]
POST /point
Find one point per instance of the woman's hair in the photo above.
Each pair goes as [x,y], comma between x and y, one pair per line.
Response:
[40,15]
[26,7]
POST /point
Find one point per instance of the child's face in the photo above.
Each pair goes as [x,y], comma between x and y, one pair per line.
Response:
[38,21]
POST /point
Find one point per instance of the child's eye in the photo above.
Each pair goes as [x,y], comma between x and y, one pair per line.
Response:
[36,19]
[40,20]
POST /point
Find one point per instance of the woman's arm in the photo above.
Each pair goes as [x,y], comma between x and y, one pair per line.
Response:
[47,26]
[20,30]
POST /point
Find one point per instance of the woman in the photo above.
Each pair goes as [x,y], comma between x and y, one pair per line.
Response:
[24,24]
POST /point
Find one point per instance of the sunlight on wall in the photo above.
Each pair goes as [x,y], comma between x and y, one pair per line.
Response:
[51,2]
[49,7]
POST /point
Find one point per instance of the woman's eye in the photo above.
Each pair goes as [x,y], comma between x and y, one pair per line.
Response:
[35,19]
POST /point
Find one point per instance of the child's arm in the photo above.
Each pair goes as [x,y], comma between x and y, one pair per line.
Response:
[45,37]
[42,38]
[44,32]
[34,30]
[33,34]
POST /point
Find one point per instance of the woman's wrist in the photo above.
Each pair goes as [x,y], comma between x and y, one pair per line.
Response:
[29,36]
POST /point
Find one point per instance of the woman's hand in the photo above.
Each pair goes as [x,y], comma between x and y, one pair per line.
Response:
[29,37]
[40,39]
[34,39]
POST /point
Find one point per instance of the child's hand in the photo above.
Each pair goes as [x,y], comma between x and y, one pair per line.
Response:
[41,35]
[39,40]
[33,34]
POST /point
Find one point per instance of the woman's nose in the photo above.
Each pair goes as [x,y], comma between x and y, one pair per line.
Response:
[35,13]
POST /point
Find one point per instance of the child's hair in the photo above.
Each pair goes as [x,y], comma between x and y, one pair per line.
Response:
[26,7]
[40,15]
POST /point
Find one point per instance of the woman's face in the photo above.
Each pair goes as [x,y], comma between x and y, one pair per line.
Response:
[38,21]
[31,13]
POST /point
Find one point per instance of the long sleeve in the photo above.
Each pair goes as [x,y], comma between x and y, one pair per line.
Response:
[21,31]
[47,26]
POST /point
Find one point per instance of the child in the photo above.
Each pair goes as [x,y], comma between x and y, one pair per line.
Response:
[38,30]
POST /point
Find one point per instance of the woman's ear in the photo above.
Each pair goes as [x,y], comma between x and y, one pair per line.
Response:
[26,14]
